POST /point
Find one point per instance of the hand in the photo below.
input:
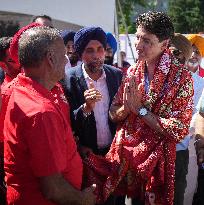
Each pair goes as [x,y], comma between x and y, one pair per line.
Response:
[134,95]
[125,98]
[84,151]
[200,156]
[88,197]
[199,145]
[91,97]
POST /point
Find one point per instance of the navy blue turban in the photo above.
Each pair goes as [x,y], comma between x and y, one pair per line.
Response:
[67,35]
[84,35]
[111,41]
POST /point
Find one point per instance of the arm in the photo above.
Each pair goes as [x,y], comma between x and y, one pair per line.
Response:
[55,188]
[199,131]
[175,125]
[49,158]
[133,104]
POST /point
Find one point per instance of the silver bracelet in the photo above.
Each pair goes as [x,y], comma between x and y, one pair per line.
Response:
[196,141]
[86,114]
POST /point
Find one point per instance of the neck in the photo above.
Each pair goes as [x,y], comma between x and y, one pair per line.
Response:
[150,70]
[42,78]
[94,75]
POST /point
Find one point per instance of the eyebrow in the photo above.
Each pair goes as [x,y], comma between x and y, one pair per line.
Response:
[143,37]
[93,48]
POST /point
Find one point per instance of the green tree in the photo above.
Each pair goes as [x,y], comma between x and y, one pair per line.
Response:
[186,15]
[127,10]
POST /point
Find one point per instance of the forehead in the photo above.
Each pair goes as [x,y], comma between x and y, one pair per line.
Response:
[93,44]
[172,47]
[59,44]
[195,48]
[70,43]
[141,32]
[44,21]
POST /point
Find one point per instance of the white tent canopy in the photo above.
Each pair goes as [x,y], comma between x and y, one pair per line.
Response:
[80,12]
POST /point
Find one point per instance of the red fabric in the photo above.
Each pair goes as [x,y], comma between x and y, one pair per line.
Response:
[14,43]
[201,72]
[7,80]
[140,160]
[38,141]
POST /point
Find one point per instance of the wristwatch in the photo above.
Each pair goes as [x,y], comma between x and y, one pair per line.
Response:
[142,111]
[85,114]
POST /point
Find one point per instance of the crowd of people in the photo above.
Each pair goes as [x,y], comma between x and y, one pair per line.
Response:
[76,128]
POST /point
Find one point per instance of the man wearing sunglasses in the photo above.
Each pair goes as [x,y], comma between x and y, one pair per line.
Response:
[186,165]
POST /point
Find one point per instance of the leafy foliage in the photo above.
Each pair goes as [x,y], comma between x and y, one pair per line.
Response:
[127,9]
[187,15]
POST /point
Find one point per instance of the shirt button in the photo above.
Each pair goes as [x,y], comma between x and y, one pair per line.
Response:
[55,95]
[56,101]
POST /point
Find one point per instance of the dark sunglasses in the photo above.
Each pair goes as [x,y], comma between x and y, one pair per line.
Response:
[176,52]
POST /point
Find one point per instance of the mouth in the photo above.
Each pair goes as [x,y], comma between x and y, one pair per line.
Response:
[193,60]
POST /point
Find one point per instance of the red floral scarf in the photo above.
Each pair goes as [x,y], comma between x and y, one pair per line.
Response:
[141,162]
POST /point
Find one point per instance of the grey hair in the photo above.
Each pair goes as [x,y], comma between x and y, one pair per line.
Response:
[34,45]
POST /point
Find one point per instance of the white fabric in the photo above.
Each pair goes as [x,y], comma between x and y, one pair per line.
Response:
[100,110]
[198,84]
[192,166]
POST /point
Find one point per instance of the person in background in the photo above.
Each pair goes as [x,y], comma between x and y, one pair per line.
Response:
[68,37]
[44,20]
[11,70]
[2,75]
[182,49]
[194,62]
[42,164]
[111,48]
[10,67]
[90,88]
[2,182]
[124,64]
[198,198]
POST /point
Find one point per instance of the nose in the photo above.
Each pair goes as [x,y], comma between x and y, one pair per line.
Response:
[194,54]
[66,58]
[138,43]
[95,54]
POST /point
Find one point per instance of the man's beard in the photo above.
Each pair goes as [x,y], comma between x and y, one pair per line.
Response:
[95,66]
[109,60]
[73,58]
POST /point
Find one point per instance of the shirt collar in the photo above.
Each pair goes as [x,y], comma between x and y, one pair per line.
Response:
[86,76]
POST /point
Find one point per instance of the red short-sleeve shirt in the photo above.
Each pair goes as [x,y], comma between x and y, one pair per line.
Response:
[38,142]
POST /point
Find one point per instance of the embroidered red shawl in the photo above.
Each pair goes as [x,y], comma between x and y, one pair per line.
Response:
[140,160]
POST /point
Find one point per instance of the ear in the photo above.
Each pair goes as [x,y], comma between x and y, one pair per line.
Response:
[165,44]
[50,58]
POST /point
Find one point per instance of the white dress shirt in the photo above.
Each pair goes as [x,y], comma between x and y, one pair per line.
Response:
[101,110]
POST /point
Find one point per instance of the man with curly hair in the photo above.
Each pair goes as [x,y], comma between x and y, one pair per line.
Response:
[153,108]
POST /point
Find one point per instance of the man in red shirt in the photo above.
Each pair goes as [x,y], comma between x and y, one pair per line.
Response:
[10,67]
[42,164]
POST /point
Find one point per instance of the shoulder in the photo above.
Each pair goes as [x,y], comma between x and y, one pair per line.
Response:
[73,71]
[180,71]
[30,101]
[112,69]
